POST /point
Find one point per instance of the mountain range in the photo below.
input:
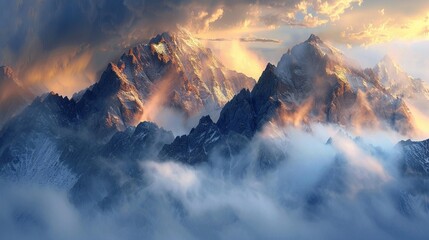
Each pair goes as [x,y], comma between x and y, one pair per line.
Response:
[313,82]
[91,144]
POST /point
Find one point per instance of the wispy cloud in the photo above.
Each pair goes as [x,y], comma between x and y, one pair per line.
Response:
[248,39]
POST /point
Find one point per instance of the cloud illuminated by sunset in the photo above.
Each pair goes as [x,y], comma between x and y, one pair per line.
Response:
[33,31]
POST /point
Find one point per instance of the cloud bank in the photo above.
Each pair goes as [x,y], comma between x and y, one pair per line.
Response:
[336,189]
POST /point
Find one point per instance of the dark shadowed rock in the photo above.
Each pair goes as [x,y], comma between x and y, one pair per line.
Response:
[195,147]
[415,158]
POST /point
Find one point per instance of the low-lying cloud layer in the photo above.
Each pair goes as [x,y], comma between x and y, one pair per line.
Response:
[342,188]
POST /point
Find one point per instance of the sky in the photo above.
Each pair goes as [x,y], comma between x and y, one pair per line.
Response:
[64,45]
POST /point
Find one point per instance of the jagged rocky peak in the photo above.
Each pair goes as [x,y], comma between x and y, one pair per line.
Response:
[111,104]
[314,82]
[194,147]
[333,88]
[140,143]
[54,104]
[49,98]
[389,72]
[172,46]
[310,54]
[398,82]
[414,158]
[173,70]
[387,59]
[314,39]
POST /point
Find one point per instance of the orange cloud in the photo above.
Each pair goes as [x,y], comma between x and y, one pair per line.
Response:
[333,9]
[206,19]
[420,122]
[387,28]
[236,56]
[64,71]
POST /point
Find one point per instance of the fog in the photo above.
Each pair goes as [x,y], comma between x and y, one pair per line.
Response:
[330,185]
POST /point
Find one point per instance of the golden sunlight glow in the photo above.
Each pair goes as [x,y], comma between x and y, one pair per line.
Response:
[298,117]
[236,56]
[388,29]
[153,106]
[64,72]
[420,122]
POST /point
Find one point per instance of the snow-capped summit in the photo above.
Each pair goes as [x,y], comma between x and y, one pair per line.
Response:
[173,70]
[398,82]
[312,58]
[313,82]
[390,73]
[317,81]
[189,74]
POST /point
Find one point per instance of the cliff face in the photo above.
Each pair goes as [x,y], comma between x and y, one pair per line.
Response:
[313,82]
[172,71]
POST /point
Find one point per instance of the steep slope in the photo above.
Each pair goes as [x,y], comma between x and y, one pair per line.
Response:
[172,71]
[190,148]
[48,144]
[34,144]
[13,98]
[414,168]
[144,141]
[89,144]
[415,158]
[321,84]
[398,82]
[313,82]
[111,104]
[114,169]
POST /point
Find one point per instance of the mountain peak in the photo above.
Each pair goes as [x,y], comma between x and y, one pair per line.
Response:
[387,58]
[389,71]
[314,38]
[206,120]
[397,81]
[53,97]
[168,46]
[172,70]
[388,61]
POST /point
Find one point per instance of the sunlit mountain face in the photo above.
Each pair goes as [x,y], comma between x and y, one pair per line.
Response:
[214,119]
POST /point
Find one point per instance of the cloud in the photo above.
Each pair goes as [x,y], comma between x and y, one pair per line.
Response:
[244,39]
[262,40]
[420,118]
[381,22]
[63,44]
[344,188]
[237,56]
[389,29]
[208,19]
[306,13]
[334,8]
